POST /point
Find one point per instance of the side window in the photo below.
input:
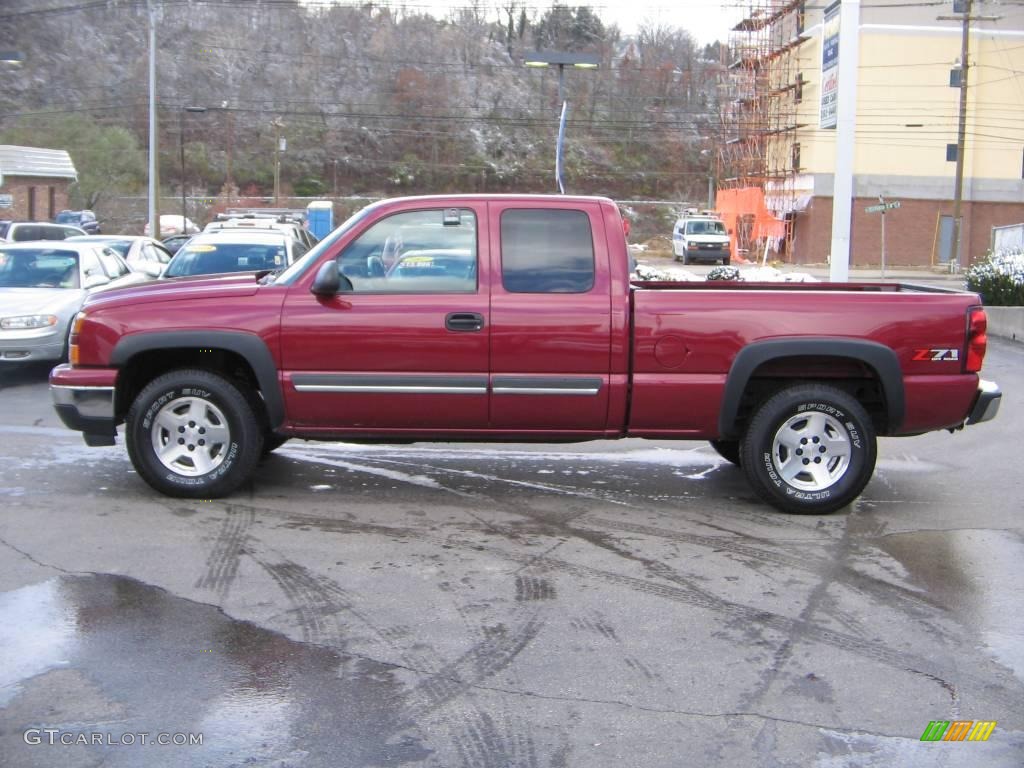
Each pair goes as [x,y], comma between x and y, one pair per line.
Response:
[90,264]
[298,250]
[546,251]
[156,253]
[113,266]
[432,251]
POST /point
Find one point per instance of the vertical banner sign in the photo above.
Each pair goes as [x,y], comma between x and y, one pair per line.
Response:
[829,67]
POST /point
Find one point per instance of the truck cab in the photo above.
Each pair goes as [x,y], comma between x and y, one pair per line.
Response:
[700,237]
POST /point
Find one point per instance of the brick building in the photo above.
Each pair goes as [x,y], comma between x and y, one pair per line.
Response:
[783,137]
[34,182]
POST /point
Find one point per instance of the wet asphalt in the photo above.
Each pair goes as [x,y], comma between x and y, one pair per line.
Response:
[608,604]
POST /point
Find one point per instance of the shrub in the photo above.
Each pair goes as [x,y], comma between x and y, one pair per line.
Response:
[725,273]
[999,278]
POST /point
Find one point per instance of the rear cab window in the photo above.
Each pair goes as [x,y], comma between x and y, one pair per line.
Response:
[546,251]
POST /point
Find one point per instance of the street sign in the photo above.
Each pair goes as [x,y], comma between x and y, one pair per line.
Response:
[882,207]
[6,201]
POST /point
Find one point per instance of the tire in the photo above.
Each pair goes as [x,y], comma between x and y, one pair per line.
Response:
[805,418]
[210,419]
[728,450]
[726,261]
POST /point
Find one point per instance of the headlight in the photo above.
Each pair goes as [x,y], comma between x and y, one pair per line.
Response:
[25,322]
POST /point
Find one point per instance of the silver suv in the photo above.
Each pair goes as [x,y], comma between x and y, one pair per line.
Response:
[21,231]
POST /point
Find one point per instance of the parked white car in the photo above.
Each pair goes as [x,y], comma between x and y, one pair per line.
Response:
[43,284]
[143,254]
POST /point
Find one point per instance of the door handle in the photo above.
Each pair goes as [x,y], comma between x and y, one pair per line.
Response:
[464,321]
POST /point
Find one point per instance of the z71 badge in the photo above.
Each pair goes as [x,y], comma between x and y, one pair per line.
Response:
[936,355]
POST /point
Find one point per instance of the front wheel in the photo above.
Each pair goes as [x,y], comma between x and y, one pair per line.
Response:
[809,449]
[193,434]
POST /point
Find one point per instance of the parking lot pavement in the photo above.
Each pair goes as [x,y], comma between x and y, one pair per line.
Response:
[608,604]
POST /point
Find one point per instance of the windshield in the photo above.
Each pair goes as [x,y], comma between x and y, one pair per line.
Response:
[210,258]
[295,270]
[39,268]
[705,228]
[67,217]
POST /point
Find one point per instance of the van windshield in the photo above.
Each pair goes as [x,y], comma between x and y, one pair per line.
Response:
[705,228]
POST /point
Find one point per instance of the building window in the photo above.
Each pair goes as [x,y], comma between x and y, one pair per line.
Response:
[800,13]
[951,153]
[798,88]
[31,203]
[52,203]
[796,156]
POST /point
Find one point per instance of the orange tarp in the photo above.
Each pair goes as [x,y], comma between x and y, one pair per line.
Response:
[735,204]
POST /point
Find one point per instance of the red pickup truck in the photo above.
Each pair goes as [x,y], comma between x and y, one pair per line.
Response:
[513,318]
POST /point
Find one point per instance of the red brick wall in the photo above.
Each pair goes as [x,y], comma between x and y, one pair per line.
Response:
[910,231]
[18,187]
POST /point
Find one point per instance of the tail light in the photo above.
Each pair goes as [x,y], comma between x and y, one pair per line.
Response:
[977,340]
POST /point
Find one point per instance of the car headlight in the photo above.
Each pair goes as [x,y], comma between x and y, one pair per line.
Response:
[26,322]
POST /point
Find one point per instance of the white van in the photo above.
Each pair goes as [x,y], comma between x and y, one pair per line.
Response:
[700,238]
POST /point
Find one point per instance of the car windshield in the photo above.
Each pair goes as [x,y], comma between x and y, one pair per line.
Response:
[39,268]
[214,258]
[67,217]
[705,228]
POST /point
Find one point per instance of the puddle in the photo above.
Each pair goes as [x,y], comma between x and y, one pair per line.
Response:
[111,655]
[965,572]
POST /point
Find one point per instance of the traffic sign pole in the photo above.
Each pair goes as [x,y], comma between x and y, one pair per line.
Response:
[881,208]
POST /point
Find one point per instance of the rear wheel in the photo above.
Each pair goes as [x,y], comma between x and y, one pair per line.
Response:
[728,450]
[193,434]
[809,449]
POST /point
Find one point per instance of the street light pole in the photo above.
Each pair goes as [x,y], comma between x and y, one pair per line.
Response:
[561,59]
[181,144]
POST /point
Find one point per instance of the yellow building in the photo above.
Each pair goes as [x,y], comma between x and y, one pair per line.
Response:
[906,127]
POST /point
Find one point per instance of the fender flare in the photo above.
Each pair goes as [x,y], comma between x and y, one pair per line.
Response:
[250,347]
[880,358]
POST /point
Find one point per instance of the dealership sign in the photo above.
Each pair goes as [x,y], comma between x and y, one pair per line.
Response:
[829,67]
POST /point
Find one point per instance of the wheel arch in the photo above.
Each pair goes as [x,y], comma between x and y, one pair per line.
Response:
[877,358]
[212,350]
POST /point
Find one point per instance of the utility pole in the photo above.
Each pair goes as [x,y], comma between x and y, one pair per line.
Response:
[278,125]
[229,182]
[961,139]
[961,133]
[154,163]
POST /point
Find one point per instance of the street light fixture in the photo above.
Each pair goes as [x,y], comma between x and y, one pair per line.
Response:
[561,59]
[181,141]
[16,58]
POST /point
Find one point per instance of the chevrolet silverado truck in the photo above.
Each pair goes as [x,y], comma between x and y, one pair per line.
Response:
[513,318]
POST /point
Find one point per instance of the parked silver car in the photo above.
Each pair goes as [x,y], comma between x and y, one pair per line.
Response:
[43,284]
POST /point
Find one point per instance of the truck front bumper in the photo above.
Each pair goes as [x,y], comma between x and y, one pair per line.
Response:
[986,404]
[84,400]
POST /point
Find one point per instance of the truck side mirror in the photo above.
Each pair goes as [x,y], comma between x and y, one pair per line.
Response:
[330,282]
